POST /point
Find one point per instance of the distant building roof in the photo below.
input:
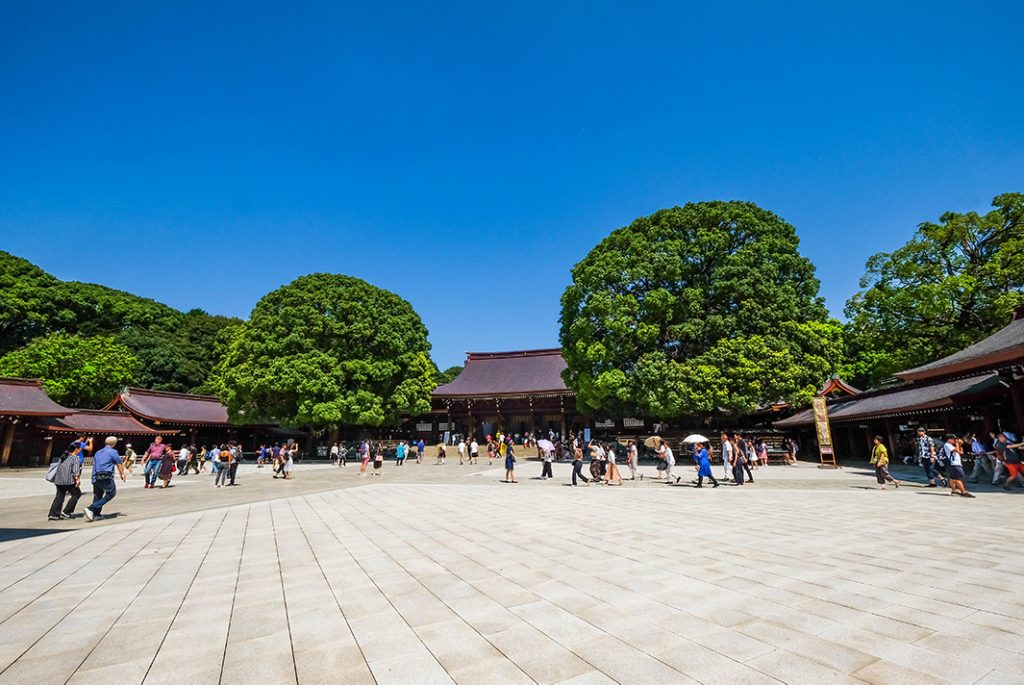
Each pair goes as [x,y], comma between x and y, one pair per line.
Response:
[171,407]
[96,422]
[504,374]
[1002,347]
[26,397]
[904,399]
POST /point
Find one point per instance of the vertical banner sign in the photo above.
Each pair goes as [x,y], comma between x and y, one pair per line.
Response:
[826,452]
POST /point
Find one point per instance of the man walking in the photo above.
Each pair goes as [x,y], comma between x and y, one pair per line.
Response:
[744,453]
[236,459]
[103,487]
[151,461]
[577,466]
[927,459]
[183,455]
[474,451]
[726,457]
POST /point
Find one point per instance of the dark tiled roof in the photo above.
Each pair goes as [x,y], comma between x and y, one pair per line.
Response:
[172,407]
[904,399]
[1002,347]
[26,397]
[96,422]
[500,374]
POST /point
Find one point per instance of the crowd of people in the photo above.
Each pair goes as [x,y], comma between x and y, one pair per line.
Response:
[160,463]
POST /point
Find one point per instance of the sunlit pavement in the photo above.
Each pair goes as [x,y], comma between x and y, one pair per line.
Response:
[440,574]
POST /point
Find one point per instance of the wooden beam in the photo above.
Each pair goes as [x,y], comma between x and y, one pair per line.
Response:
[5,451]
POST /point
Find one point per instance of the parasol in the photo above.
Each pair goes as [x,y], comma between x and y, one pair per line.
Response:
[546,445]
[696,437]
[653,442]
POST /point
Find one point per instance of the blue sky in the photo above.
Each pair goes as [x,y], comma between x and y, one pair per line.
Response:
[466,155]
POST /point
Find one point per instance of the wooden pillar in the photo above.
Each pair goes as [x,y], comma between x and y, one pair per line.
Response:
[5,450]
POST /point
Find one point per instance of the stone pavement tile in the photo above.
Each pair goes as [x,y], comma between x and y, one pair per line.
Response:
[884,672]
[257,620]
[711,667]
[133,671]
[975,652]
[540,657]
[626,664]
[998,677]
[726,641]
[589,678]
[827,653]
[485,615]
[897,630]
[455,644]
[495,670]
[327,661]
[790,668]
[265,659]
[418,667]
[556,623]
[946,665]
[965,629]
[384,635]
[200,665]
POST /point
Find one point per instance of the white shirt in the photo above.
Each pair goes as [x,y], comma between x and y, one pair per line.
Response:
[462,448]
[183,453]
[474,447]
[670,458]
[334,449]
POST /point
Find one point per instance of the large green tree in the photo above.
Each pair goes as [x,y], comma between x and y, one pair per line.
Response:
[955,282]
[693,310]
[176,351]
[76,371]
[325,351]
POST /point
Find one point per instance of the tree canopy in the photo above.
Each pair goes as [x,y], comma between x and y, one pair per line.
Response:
[328,350]
[76,371]
[448,375]
[953,283]
[174,350]
[693,310]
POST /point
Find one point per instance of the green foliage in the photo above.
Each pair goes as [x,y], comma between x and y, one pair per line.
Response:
[696,309]
[176,351]
[954,283]
[328,350]
[448,375]
[77,371]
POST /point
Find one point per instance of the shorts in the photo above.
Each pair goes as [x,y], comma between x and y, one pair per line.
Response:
[957,473]
[1013,469]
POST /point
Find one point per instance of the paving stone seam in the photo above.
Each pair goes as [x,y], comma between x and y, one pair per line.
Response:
[327,580]
[284,591]
[427,589]
[369,576]
[88,595]
[128,605]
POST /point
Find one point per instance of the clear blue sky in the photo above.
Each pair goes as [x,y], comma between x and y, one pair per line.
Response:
[466,155]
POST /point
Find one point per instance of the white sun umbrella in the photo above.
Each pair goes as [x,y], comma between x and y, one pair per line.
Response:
[695,437]
[546,445]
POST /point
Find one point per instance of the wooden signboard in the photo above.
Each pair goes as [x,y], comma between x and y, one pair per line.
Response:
[825,450]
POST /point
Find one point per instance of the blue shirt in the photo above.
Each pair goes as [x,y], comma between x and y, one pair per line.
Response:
[400,452]
[421,445]
[105,461]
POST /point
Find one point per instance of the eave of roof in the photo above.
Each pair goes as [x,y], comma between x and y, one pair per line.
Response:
[1005,346]
[187,410]
[97,422]
[27,397]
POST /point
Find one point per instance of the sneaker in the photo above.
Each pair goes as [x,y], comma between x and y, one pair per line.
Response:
[967,494]
[716,485]
[65,516]
[53,518]
[90,515]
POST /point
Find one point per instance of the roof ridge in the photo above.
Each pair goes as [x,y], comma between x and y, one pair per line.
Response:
[13,380]
[513,354]
[170,393]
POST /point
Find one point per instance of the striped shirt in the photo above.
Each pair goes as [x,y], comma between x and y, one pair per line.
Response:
[69,469]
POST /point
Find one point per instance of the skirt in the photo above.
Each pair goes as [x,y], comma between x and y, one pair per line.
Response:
[510,463]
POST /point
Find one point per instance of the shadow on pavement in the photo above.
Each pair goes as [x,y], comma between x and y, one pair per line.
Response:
[8,534]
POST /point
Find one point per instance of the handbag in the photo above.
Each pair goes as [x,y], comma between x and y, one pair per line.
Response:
[51,473]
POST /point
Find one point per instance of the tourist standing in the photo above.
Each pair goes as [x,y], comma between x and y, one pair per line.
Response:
[343,455]
[378,459]
[421,448]
[236,459]
[613,469]
[951,454]
[103,487]
[761,451]
[334,453]
[67,480]
[577,466]
[510,462]
[547,457]
[927,458]
[224,460]
[364,457]
[880,460]
[441,453]
[152,459]
[474,450]
[462,451]
[736,461]
[289,464]
[400,453]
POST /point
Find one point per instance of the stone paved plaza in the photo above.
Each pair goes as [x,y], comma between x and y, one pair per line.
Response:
[441,574]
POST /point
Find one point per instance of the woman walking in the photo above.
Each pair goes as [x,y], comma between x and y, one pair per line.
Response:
[880,460]
[68,480]
[547,456]
[129,459]
[761,451]
[632,456]
[167,467]
[735,460]
[289,465]
[613,470]
[378,459]
[704,466]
